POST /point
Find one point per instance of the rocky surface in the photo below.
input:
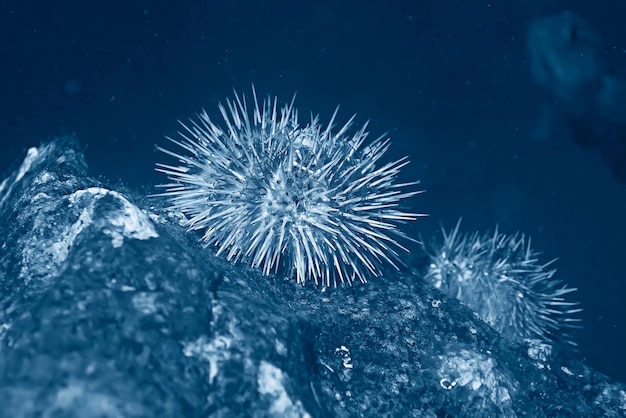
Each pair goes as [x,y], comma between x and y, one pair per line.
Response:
[108,308]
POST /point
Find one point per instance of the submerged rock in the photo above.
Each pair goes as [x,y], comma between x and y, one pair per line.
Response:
[108,308]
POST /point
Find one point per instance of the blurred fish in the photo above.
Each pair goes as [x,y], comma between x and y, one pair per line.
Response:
[567,61]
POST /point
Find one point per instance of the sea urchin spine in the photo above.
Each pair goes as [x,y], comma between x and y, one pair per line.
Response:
[303,201]
[500,278]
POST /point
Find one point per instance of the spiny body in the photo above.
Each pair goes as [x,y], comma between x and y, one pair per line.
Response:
[500,278]
[303,201]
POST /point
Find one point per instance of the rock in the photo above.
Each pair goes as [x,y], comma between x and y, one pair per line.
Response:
[108,308]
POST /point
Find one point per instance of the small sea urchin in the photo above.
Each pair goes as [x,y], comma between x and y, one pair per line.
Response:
[500,278]
[303,201]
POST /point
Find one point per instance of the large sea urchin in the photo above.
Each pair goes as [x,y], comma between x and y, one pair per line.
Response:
[499,277]
[303,201]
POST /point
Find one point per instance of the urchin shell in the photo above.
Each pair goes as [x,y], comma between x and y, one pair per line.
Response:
[303,201]
[500,278]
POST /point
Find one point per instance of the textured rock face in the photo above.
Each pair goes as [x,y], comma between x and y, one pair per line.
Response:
[111,310]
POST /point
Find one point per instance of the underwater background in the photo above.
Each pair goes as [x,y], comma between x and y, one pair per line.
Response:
[450,82]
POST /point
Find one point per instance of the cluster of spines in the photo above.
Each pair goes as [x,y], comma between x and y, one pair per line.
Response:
[303,201]
[500,278]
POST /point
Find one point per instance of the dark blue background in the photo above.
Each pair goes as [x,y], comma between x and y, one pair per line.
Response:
[449,80]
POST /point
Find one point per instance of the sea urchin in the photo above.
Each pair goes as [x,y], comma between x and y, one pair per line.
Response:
[302,201]
[500,278]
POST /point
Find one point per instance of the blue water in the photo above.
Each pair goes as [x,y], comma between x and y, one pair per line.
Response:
[448,80]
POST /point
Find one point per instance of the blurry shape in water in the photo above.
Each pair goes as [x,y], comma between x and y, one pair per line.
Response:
[567,61]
